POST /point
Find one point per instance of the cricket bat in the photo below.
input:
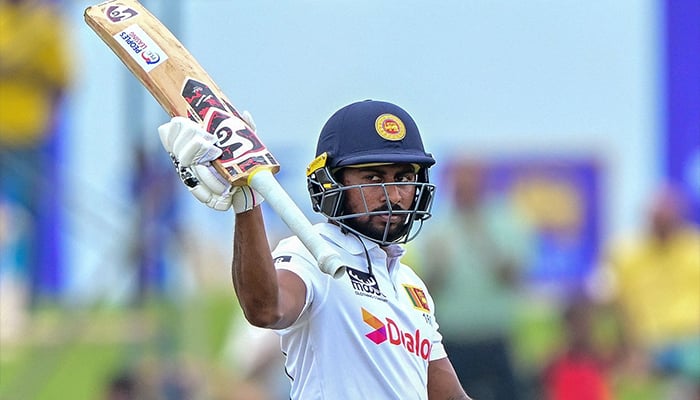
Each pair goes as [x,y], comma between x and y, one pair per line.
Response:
[183,88]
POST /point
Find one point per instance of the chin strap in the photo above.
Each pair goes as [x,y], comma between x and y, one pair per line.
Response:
[369,260]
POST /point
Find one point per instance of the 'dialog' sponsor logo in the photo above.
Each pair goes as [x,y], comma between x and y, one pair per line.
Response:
[389,331]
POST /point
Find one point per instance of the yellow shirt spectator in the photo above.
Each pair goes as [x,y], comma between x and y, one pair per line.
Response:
[657,277]
[33,70]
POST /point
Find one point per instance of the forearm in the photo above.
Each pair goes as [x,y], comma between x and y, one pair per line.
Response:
[253,272]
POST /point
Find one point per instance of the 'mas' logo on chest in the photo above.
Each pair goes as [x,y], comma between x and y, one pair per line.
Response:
[391,332]
[365,284]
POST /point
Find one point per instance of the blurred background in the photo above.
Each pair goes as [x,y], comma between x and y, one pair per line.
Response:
[564,236]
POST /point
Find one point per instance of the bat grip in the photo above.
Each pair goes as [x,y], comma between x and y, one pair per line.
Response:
[328,259]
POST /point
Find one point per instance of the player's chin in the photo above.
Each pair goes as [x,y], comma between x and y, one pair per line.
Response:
[393,232]
[379,227]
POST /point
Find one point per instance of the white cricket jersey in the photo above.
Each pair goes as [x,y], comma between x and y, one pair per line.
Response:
[367,335]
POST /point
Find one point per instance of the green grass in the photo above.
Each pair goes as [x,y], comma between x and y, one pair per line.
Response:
[73,355]
[70,371]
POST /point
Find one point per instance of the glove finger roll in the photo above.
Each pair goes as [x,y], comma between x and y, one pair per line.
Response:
[208,177]
[196,151]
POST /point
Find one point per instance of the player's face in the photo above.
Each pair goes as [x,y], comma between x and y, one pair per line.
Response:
[377,198]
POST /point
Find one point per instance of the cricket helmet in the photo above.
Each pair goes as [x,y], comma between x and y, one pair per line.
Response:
[370,132]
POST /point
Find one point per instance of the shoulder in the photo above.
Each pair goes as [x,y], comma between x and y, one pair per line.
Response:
[292,255]
[292,245]
[409,274]
[410,279]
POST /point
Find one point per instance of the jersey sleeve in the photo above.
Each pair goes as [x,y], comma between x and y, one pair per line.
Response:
[291,255]
[438,349]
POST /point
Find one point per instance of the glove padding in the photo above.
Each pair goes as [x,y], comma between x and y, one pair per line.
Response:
[245,198]
[188,141]
[191,150]
[206,187]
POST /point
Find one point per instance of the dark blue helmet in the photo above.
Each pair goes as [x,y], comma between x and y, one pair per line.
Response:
[372,131]
[369,132]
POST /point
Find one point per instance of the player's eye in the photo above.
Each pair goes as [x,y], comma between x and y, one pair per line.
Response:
[407,177]
[373,178]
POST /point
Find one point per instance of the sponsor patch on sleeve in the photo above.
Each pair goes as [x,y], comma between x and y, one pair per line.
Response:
[282,259]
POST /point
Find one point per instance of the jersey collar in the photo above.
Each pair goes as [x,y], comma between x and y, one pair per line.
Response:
[354,244]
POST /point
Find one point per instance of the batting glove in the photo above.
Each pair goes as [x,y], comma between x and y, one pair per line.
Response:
[245,198]
[204,185]
[188,141]
[191,150]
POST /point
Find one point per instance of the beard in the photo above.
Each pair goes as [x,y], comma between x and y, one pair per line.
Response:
[365,226]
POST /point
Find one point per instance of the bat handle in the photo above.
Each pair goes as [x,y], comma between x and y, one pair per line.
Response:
[328,259]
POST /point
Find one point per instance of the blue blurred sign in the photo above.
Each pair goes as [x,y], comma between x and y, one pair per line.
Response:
[560,197]
[682,136]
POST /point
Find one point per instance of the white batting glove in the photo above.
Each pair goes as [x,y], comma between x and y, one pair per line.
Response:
[245,198]
[204,185]
[186,140]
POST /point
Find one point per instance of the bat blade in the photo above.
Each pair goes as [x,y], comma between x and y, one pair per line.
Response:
[179,83]
[183,88]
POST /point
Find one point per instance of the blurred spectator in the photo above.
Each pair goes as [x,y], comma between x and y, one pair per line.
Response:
[13,294]
[34,73]
[472,260]
[155,227]
[578,372]
[122,386]
[655,278]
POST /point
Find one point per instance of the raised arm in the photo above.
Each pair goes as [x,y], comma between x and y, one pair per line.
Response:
[269,298]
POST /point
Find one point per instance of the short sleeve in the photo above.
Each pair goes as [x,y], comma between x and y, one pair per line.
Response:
[291,255]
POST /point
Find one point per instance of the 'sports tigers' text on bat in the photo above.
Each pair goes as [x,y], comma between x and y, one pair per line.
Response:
[183,88]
